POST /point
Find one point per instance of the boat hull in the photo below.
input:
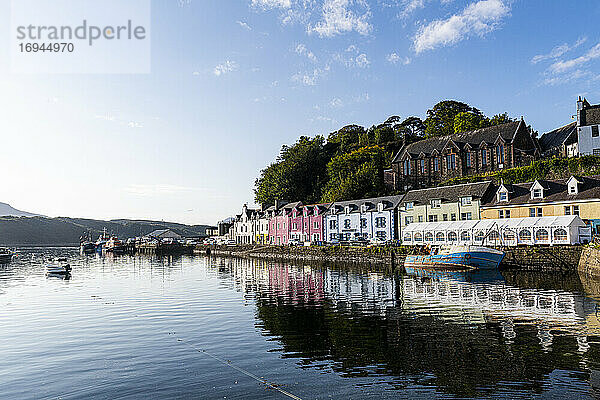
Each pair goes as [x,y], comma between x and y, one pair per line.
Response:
[5,258]
[458,260]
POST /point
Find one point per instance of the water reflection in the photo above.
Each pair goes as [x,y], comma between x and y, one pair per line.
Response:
[465,334]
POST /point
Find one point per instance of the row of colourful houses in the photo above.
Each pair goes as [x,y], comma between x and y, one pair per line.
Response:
[383,219]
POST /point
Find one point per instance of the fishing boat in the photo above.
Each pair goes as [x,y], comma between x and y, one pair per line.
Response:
[6,255]
[87,247]
[115,246]
[101,242]
[60,268]
[464,257]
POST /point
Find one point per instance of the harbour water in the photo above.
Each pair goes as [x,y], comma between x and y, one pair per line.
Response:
[214,328]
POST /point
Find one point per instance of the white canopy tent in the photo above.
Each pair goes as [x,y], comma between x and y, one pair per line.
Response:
[566,229]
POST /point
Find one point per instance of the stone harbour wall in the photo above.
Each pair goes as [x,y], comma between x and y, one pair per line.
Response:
[542,258]
[589,263]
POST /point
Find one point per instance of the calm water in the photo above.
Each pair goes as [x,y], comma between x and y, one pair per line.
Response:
[126,328]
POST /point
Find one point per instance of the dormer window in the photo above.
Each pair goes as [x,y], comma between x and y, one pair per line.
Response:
[436,203]
[409,205]
[502,196]
[537,194]
[466,201]
[363,208]
[380,207]
[347,209]
[573,185]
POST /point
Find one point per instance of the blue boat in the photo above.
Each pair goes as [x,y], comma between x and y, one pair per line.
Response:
[457,257]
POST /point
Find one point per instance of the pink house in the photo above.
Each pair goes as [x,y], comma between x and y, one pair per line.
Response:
[280,224]
[313,224]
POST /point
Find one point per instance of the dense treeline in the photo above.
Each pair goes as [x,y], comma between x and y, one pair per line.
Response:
[349,163]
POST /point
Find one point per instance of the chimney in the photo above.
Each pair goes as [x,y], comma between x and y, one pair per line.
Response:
[580,106]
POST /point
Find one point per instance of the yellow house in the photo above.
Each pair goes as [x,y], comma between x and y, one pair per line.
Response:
[545,198]
[444,203]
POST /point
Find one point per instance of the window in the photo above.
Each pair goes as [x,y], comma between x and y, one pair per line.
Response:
[295,226]
[452,237]
[567,210]
[501,214]
[332,236]
[500,151]
[333,224]
[363,222]
[363,208]
[381,235]
[436,164]
[468,159]
[409,206]
[466,201]
[560,235]
[484,157]
[408,220]
[541,235]
[347,224]
[596,152]
[429,237]
[440,237]
[507,213]
[380,207]
[503,196]
[575,210]
[535,212]
[465,236]
[436,203]
[479,235]
[420,218]
[380,222]
[539,212]
[445,217]
[407,237]
[536,194]
[347,210]
[452,217]
[451,161]
[466,216]
[573,189]
[508,235]
[316,225]
[595,131]
[432,218]
[406,167]
[422,166]
[525,235]
[418,237]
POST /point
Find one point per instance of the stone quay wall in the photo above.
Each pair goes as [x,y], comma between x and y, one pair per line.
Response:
[589,263]
[542,258]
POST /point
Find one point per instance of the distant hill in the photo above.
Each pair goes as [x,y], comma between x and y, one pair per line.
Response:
[7,211]
[42,231]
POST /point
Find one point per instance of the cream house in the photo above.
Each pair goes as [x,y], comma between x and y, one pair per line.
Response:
[445,203]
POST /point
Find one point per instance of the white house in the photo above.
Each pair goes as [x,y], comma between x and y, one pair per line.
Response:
[363,219]
[245,226]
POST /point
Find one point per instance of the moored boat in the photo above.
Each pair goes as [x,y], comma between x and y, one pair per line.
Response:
[115,246]
[465,257]
[101,242]
[87,248]
[6,255]
[60,267]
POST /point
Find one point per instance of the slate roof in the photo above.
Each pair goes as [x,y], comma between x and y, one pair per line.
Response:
[591,115]
[554,191]
[390,203]
[160,232]
[558,136]
[473,138]
[451,194]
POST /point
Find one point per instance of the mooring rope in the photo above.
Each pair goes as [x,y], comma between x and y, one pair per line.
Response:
[239,369]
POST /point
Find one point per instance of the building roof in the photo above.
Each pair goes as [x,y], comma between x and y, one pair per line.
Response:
[473,138]
[160,232]
[558,136]
[554,191]
[450,193]
[389,202]
[591,115]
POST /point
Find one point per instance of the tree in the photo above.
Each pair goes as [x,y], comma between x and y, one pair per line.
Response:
[356,175]
[298,173]
[500,119]
[346,137]
[384,133]
[440,119]
[469,121]
[411,130]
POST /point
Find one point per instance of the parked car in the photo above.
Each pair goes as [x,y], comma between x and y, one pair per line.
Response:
[379,242]
[360,241]
[294,242]
[230,242]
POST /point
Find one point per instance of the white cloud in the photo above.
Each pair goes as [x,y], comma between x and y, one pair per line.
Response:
[337,18]
[478,18]
[336,102]
[310,78]
[362,61]
[303,51]
[410,7]
[566,78]
[557,51]
[225,68]
[244,25]
[394,58]
[270,4]
[565,65]
[135,124]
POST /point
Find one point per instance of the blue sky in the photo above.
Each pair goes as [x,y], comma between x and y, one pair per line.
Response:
[233,80]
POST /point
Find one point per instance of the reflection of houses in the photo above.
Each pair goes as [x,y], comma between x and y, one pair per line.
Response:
[447,203]
[368,219]
[574,196]
[564,230]
[431,161]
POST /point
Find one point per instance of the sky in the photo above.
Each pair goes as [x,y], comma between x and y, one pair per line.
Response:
[232,81]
